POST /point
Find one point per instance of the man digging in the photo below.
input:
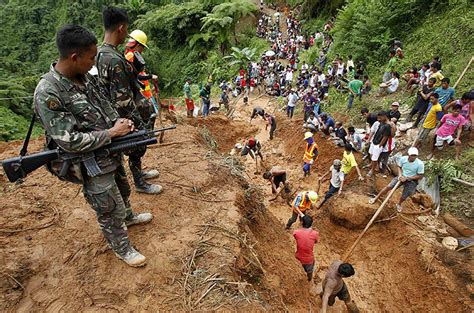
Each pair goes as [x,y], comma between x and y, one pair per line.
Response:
[410,171]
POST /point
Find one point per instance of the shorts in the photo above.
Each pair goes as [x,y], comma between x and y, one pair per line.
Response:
[281,179]
[439,141]
[375,151]
[308,268]
[423,134]
[343,295]
[409,187]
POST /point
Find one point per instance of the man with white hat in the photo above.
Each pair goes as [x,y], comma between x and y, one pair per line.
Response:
[410,171]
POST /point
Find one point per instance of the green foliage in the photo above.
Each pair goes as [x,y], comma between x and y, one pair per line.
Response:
[318,8]
[364,28]
[241,56]
[446,170]
[14,126]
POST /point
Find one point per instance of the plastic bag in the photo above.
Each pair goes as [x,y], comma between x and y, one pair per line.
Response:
[196,110]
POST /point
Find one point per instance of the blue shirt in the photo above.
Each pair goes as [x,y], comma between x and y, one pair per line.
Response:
[410,169]
[444,95]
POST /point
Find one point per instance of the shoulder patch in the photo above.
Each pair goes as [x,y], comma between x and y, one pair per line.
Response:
[53,104]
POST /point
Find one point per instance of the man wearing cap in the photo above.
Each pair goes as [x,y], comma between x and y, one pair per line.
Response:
[310,153]
[188,97]
[302,202]
[410,171]
[336,183]
[253,148]
[394,113]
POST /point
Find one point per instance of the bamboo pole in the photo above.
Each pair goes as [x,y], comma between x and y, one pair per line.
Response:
[463,72]
[348,253]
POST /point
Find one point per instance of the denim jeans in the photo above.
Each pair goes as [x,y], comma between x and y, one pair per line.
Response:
[290,111]
[350,101]
[205,108]
[332,190]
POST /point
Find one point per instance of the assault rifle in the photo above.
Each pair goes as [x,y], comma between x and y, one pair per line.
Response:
[20,167]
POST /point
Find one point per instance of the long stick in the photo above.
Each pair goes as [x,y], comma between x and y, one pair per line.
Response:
[348,253]
[463,72]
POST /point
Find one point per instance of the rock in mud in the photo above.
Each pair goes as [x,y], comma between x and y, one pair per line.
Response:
[352,211]
[423,199]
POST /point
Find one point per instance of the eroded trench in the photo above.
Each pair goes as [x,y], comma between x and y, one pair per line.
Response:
[399,267]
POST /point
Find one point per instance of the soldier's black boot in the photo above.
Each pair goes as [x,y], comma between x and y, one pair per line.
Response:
[140,184]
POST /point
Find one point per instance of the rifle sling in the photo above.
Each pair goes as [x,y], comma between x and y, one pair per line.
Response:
[24,149]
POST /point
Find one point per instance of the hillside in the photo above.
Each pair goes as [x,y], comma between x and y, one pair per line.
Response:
[219,240]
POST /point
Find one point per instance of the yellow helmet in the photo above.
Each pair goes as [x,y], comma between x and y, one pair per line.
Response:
[139,36]
[308,135]
[313,196]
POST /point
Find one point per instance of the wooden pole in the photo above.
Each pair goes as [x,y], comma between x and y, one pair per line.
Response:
[463,72]
[348,253]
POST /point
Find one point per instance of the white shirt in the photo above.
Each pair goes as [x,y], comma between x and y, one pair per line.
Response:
[289,76]
[292,99]
[321,78]
[340,69]
[313,121]
[349,64]
[336,177]
[393,84]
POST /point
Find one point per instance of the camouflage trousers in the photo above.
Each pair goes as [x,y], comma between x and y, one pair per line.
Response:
[108,195]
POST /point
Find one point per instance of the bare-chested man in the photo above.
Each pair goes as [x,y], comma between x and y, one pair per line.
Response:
[277,176]
[334,286]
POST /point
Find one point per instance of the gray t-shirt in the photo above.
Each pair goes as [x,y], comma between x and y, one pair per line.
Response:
[336,177]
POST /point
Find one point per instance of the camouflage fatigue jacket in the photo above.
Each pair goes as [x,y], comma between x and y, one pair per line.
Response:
[76,118]
[120,82]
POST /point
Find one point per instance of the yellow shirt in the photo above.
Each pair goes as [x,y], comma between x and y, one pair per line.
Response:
[430,120]
[438,76]
[348,162]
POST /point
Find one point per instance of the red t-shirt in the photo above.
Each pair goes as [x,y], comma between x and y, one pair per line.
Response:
[305,240]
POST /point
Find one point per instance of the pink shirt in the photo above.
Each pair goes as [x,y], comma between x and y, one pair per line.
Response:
[450,124]
[305,240]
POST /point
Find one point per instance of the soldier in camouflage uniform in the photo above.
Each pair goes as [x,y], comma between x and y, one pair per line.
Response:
[78,118]
[121,84]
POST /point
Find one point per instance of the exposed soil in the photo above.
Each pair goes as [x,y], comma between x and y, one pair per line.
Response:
[216,242]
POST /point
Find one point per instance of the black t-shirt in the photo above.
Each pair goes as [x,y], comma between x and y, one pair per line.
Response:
[384,131]
[394,114]
[420,101]
[341,134]
[371,119]
[259,111]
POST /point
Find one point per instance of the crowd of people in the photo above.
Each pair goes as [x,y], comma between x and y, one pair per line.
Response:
[78,116]
[283,75]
